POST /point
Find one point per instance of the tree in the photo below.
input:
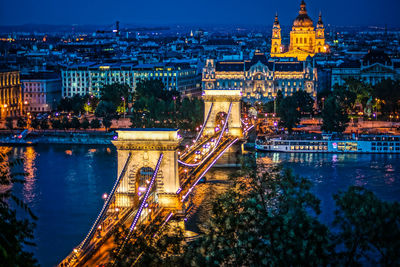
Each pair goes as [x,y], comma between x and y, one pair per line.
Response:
[147,88]
[105,108]
[65,123]
[10,123]
[289,113]
[44,124]
[56,124]
[367,228]
[65,104]
[35,123]
[115,93]
[269,218]
[90,103]
[85,124]
[21,122]
[107,122]
[75,123]
[304,102]
[334,116]
[16,234]
[387,92]
[363,91]
[95,124]
[159,247]
[78,103]
[156,107]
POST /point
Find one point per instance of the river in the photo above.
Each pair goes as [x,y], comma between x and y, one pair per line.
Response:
[65,184]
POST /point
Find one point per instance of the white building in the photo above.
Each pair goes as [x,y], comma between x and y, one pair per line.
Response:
[372,69]
[41,90]
[88,78]
[175,76]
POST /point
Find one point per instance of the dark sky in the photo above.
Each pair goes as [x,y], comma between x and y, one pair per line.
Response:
[240,12]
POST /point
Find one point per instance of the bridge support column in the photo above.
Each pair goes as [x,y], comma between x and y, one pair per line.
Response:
[221,100]
[146,146]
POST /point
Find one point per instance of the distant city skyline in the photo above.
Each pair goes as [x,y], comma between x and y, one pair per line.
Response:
[252,12]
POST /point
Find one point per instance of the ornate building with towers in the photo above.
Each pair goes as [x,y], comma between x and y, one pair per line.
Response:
[260,78]
[305,40]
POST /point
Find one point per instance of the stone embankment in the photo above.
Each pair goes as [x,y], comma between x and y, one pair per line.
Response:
[79,138]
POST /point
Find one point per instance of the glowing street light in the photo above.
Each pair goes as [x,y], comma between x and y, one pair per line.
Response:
[116,213]
[104,196]
[99,231]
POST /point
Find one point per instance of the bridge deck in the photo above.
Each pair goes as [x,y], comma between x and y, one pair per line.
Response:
[99,250]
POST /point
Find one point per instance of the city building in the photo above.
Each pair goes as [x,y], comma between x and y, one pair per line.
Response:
[259,78]
[88,78]
[10,93]
[305,40]
[373,68]
[42,91]
[175,76]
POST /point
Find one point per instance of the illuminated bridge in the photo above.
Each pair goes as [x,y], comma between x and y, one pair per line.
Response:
[155,178]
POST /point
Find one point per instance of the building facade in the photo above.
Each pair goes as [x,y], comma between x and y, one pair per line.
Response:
[10,94]
[175,76]
[90,77]
[41,90]
[260,79]
[305,40]
[372,69]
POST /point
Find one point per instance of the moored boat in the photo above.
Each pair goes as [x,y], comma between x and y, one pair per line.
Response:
[331,144]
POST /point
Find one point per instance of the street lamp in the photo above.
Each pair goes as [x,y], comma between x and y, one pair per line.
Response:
[116,214]
[123,99]
[99,231]
[104,196]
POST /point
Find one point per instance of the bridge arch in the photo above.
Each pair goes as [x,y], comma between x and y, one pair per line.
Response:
[220,119]
[220,101]
[146,146]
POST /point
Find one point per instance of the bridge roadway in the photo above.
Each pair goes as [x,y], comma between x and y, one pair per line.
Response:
[98,251]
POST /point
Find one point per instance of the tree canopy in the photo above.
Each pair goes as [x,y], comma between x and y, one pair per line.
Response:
[270,217]
[156,107]
[289,113]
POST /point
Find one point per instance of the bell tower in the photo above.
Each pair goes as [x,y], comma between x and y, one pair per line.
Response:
[320,36]
[276,40]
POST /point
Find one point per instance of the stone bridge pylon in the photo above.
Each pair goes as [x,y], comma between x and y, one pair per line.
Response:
[219,101]
[146,146]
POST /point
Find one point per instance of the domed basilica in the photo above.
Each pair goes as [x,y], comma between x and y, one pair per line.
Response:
[305,40]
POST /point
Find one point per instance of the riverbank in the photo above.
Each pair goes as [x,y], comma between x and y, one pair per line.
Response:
[76,138]
[89,137]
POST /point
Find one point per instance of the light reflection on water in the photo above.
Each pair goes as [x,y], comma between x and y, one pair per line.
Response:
[63,187]
[29,188]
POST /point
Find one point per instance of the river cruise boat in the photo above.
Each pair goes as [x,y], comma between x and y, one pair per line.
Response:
[329,144]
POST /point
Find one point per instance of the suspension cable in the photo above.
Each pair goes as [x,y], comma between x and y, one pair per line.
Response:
[144,200]
[106,204]
[215,146]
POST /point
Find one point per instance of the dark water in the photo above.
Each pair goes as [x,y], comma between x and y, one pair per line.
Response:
[331,173]
[64,189]
[65,185]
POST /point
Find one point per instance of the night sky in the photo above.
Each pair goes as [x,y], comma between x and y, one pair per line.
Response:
[159,12]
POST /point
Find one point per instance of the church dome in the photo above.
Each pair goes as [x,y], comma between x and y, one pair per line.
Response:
[303,20]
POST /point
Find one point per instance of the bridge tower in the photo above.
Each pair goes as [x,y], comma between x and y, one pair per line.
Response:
[219,101]
[146,147]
